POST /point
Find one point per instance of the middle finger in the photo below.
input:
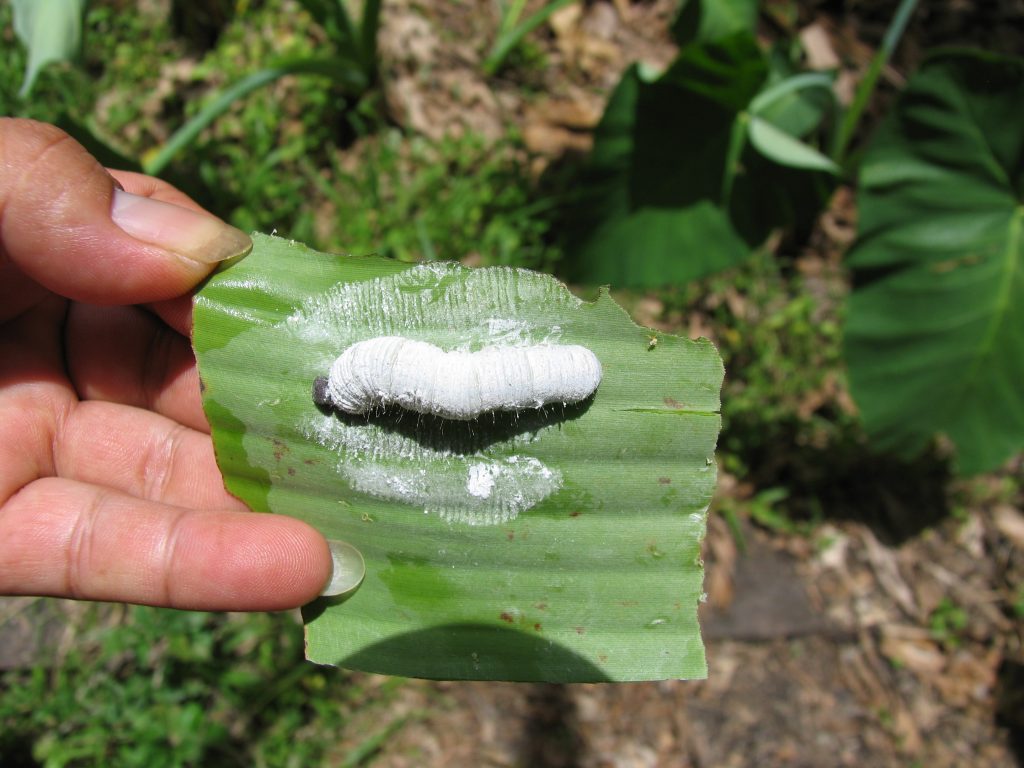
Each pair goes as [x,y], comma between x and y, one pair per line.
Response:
[140,453]
[127,355]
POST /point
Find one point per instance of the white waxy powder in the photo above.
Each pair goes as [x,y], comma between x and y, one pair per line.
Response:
[460,385]
[475,490]
[481,479]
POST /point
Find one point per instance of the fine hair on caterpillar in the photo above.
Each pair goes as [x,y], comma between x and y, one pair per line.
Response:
[376,374]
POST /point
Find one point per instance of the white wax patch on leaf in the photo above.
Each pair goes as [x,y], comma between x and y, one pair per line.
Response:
[471,489]
[441,303]
[481,480]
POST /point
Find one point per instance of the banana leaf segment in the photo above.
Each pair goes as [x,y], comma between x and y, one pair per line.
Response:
[559,544]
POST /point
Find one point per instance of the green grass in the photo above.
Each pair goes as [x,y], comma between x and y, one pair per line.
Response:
[410,198]
[948,623]
[150,688]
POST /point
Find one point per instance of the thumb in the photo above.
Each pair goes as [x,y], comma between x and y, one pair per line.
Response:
[67,225]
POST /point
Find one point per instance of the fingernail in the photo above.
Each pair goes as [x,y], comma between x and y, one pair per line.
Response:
[194,236]
[348,570]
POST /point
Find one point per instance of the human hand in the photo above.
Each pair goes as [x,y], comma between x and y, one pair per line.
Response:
[109,489]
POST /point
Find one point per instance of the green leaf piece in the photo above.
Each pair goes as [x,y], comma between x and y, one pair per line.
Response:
[560,545]
[51,30]
[777,145]
[935,337]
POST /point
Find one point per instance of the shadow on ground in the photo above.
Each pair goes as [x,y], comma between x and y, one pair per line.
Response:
[844,480]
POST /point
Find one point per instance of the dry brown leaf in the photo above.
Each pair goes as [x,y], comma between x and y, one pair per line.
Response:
[1010,522]
[967,679]
[722,552]
[698,327]
[578,113]
[883,562]
[452,103]
[407,39]
[648,311]
[554,140]
[922,657]
[906,728]
[971,535]
[565,22]
[818,46]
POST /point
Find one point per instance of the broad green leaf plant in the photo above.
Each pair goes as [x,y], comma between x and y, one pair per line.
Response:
[692,168]
[935,336]
[560,544]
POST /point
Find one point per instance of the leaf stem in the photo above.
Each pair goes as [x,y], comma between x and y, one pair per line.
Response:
[867,85]
[737,140]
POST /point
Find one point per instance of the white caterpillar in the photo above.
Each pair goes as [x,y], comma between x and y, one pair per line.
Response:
[417,376]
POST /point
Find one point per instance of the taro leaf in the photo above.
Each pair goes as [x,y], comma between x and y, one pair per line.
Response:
[794,101]
[935,337]
[559,545]
[651,211]
[672,190]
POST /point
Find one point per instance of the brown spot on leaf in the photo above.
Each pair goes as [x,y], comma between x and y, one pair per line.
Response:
[506,616]
[280,449]
[664,480]
[536,627]
[575,513]
[671,402]
[580,630]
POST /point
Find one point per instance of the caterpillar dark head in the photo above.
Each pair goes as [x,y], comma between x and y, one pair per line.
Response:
[321,396]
